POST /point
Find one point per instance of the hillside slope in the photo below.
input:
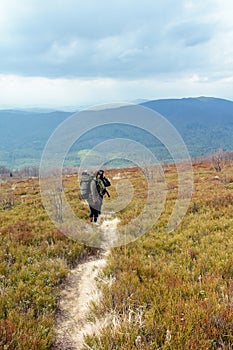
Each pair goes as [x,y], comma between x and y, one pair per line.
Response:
[162,291]
[205,123]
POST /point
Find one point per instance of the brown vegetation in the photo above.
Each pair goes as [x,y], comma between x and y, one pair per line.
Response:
[165,291]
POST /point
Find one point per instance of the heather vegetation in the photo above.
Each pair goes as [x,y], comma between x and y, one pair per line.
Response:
[174,290]
[34,259]
[162,291]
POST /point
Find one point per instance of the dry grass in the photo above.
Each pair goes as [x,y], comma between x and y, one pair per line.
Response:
[34,259]
[165,291]
[174,291]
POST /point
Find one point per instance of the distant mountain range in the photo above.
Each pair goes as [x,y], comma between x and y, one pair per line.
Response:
[205,123]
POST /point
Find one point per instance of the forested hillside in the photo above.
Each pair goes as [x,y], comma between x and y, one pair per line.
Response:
[206,124]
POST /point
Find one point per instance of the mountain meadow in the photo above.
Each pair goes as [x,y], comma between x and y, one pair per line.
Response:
[162,291]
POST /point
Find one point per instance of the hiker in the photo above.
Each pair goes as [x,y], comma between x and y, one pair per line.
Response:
[97,191]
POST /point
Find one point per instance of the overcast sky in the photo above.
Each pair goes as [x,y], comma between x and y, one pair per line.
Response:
[59,53]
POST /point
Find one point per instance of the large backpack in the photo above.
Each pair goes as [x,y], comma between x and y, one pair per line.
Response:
[85,182]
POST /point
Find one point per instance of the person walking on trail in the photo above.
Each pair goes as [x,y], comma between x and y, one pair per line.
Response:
[97,191]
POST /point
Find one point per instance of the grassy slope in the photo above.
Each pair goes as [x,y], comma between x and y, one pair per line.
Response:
[173,290]
[34,259]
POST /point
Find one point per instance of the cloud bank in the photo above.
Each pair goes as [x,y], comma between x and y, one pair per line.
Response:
[119,42]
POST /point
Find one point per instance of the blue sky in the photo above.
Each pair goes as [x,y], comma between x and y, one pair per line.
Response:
[60,53]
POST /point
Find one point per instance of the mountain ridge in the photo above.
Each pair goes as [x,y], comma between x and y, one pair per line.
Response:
[205,124]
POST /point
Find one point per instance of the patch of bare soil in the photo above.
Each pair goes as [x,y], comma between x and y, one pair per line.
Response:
[72,321]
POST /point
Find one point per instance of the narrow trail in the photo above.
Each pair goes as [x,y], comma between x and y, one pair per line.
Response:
[72,321]
[108,230]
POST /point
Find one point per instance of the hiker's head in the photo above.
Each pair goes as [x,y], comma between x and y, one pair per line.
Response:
[100,173]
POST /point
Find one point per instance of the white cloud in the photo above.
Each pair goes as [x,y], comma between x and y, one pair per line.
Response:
[61,53]
[62,93]
[83,52]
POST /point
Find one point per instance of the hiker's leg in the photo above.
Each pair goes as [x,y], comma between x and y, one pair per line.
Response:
[96,214]
[91,213]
